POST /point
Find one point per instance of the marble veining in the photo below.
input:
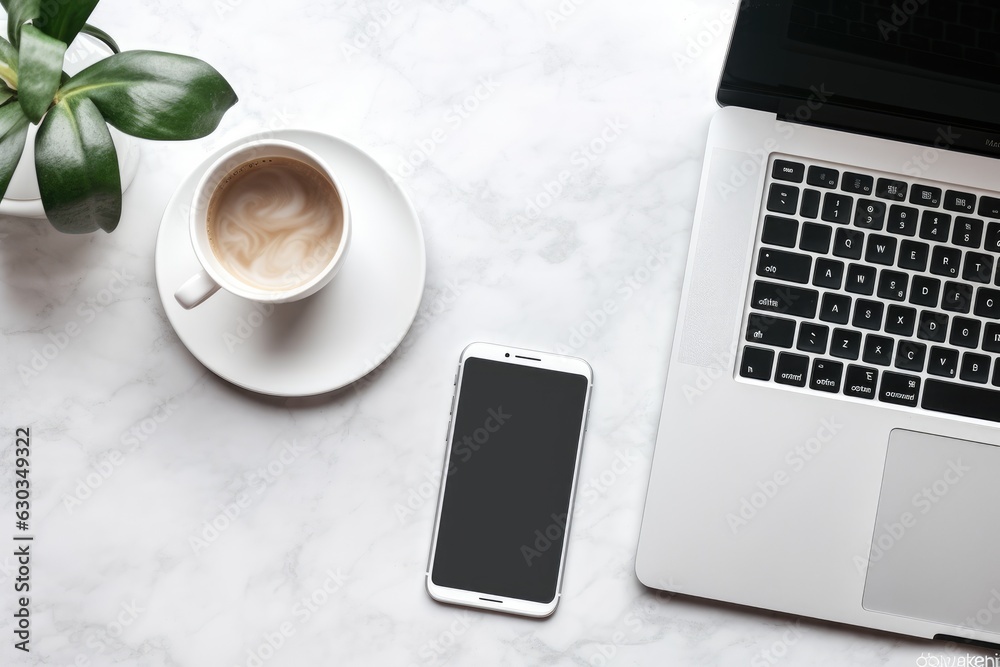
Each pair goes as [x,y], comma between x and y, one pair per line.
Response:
[552,148]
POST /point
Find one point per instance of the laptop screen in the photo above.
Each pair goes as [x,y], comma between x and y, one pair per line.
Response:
[933,60]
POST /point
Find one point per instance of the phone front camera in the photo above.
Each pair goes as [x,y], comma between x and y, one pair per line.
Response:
[507,355]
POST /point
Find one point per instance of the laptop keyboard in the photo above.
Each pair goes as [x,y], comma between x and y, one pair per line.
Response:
[876,287]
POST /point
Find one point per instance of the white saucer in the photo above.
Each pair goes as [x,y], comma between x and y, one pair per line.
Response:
[326,341]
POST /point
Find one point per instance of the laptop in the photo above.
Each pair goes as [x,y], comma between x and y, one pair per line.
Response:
[829,443]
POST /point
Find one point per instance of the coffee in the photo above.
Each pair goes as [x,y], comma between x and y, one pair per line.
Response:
[275,223]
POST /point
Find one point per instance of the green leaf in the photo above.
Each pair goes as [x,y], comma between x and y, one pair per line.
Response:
[63,19]
[20,12]
[13,131]
[40,71]
[8,63]
[94,31]
[77,169]
[154,95]
[5,95]
[8,54]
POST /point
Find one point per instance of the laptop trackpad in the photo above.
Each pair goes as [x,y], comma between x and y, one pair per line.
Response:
[935,551]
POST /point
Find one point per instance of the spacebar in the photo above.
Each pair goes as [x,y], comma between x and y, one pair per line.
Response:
[961,399]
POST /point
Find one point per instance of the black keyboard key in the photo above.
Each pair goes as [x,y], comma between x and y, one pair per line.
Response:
[756,363]
[823,177]
[783,265]
[976,17]
[889,189]
[829,273]
[845,344]
[978,268]
[993,237]
[954,49]
[783,199]
[913,255]
[975,368]
[868,314]
[968,232]
[961,399]
[837,208]
[880,250]
[932,326]
[989,207]
[813,338]
[900,320]
[848,9]
[943,362]
[865,30]
[860,279]
[860,382]
[878,350]
[929,28]
[915,42]
[848,243]
[945,261]
[892,285]
[935,226]
[784,299]
[991,339]
[792,369]
[836,308]
[899,389]
[779,231]
[826,375]
[925,196]
[989,42]
[768,330]
[815,238]
[869,214]
[965,332]
[783,170]
[957,297]
[857,183]
[925,291]
[902,220]
[988,303]
[963,202]
[910,356]
[809,208]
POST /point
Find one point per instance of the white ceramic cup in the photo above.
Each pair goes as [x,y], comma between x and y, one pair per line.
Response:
[214,275]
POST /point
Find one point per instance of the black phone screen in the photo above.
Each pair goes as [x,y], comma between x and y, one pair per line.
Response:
[511,464]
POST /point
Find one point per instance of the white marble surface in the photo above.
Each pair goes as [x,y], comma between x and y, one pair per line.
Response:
[137,448]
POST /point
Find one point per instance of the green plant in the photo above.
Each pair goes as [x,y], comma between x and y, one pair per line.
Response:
[147,94]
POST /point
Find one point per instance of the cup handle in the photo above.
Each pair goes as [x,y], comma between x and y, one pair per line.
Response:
[195,290]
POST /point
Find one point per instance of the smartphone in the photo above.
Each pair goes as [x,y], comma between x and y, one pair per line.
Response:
[513,455]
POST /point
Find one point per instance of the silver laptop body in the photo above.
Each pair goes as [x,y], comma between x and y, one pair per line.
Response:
[872,499]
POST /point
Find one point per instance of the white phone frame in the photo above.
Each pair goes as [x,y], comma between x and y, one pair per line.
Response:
[517,357]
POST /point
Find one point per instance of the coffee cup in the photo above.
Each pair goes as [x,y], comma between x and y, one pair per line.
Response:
[269,223]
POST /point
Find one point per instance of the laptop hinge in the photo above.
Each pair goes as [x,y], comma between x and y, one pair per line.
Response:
[943,136]
[968,642]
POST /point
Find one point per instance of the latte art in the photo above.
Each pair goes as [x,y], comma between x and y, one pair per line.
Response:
[275,223]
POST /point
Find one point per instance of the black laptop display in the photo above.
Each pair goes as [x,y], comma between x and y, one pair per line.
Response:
[894,68]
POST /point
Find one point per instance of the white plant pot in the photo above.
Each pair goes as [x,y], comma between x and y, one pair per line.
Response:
[22,198]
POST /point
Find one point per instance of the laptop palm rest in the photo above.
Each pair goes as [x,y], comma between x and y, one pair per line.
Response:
[936,545]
